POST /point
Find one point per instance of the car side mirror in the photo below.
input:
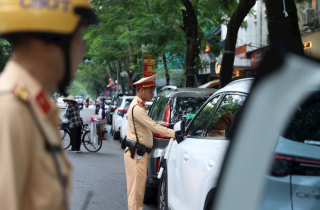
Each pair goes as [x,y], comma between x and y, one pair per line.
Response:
[179,129]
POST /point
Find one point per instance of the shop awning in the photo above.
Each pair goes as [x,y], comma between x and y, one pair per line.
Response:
[210,84]
[216,82]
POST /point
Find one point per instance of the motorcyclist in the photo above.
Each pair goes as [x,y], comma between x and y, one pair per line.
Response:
[87,102]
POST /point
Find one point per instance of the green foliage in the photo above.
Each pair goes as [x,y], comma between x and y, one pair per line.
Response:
[5,52]
[91,79]
[129,27]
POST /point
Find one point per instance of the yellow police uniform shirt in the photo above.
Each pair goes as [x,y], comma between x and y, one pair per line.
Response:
[145,126]
[28,175]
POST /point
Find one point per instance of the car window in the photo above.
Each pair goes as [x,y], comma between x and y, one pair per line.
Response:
[120,101]
[222,122]
[183,107]
[202,120]
[303,127]
[159,109]
[113,99]
[127,104]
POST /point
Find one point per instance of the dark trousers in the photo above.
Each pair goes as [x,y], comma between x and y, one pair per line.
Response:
[75,134]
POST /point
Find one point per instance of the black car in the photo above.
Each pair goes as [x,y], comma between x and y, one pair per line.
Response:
[170,106]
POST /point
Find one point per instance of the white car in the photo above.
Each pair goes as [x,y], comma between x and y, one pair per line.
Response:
[118,115]
[61,104]
[192,170]
[123,131]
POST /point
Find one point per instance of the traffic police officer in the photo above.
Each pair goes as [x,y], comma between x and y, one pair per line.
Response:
[47,48]
[140,128]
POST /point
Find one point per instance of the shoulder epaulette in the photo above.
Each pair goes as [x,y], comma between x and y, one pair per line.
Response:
[142,104]
[21,92]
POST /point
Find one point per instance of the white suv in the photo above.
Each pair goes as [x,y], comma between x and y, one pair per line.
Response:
[194,164]
[118,115]
[192,170]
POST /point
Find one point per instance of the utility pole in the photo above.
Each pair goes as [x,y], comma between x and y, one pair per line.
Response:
[118,76]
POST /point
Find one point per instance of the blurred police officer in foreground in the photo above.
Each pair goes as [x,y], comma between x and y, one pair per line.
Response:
[47,48]
[140,128]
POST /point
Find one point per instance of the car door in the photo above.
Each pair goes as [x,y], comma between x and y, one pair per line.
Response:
[205,154]
[177,169]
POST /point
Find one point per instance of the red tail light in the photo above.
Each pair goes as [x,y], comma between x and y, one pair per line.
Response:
[210,94]
[165,122]
[166,119]
[281,165]
[284,165]
[123,110]
[112,109]
[158,164]
[119,128]
[306,161]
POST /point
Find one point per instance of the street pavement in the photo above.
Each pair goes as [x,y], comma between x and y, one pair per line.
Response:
[101,173]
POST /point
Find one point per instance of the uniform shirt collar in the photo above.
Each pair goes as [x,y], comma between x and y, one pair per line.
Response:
[37,95]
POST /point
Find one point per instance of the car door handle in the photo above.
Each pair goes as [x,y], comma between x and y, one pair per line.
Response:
[185,157]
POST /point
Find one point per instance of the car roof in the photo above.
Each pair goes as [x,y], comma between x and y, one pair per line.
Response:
[124,94]
[241,85]
[129,97]
[188,92]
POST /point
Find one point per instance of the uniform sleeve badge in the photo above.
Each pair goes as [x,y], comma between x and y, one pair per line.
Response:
[43,102]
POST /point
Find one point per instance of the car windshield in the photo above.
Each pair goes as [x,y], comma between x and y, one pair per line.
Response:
[184,108]
[304,126]
[159,110]
[127,103]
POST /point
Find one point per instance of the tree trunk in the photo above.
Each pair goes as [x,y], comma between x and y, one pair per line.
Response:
[135,63]
[234,24]
[166,69]
[130,83]
[190,29]
[111,69]
[128,71]
[283,30]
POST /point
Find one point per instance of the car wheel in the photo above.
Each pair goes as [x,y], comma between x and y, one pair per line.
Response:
[150,195]
[123,143]
[116,135]
[163,191]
